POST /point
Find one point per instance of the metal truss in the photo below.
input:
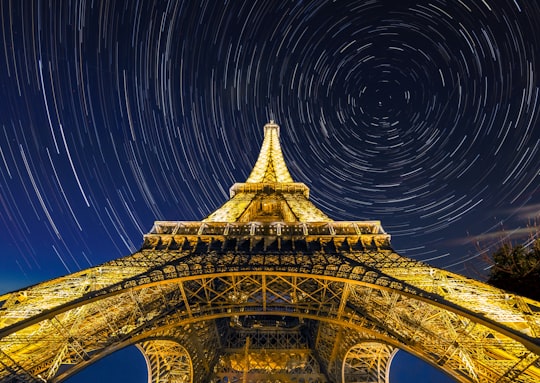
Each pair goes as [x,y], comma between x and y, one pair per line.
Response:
[268,288]
[467,344]
[368,362]
[167,361]
[268,354]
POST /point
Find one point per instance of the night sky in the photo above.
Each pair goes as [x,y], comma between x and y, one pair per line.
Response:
[421,114]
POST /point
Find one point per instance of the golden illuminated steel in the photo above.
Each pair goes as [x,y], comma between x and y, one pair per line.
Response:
[269,194]
[270,166]
[167,361]
[368,362]
[319,300]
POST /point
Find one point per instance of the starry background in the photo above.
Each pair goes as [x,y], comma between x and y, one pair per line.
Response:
[421,114]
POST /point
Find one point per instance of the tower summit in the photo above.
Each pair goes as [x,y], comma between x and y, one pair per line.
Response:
[269,194]
[270,166]
[268,288]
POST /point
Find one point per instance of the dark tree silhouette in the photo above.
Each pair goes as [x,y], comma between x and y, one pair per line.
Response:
[516,268]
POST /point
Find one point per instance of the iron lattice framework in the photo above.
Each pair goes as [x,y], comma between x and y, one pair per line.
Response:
[268,288]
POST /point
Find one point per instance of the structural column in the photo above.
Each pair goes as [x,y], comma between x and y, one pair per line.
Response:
[167,361]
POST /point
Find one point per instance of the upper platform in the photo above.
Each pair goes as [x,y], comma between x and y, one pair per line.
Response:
[269,203]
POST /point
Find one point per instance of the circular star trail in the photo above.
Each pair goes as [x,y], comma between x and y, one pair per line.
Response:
[423,115]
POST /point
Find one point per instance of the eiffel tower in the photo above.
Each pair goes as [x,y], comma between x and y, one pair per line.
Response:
[268,288]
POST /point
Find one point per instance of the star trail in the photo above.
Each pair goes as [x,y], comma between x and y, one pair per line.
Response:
[421,114]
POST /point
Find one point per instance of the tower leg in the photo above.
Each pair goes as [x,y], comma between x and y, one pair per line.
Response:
[368,362]
[167,361]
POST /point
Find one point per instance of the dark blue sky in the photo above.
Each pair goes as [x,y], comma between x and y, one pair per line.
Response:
[422,114]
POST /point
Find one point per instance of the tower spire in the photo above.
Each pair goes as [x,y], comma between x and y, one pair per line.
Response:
[269,193]
[270,166]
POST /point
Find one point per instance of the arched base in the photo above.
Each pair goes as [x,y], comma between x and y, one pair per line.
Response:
[368,362]
[167,361]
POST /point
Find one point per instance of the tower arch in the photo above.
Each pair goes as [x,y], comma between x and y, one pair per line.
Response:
[368,362]
[167,361]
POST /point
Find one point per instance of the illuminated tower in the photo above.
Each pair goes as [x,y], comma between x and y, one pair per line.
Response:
[268,288]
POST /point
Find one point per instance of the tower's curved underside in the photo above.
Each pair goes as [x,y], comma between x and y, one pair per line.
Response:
[269,288]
